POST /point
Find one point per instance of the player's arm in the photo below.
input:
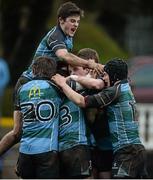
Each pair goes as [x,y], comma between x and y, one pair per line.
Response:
[88,82]
[77,61]
[102,99]
[12,137]
[68,91]
[55,42]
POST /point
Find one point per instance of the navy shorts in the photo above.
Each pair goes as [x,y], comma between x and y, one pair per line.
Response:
[129,162]
[75,162]
[38,166]
[102,159]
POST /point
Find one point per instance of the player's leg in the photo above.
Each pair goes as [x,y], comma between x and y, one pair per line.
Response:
[105,168]
[102,163]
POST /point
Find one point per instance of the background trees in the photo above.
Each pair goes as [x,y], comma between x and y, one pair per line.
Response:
[126,26]
[22,25]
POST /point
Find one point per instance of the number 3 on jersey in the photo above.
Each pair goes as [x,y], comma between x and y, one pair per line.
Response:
[65,116]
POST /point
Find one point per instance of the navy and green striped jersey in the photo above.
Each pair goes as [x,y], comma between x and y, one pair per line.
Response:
[120,106]
[72,129]
[39,101]
[55,39]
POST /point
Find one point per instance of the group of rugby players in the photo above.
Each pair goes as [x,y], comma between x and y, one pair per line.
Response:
[73,116]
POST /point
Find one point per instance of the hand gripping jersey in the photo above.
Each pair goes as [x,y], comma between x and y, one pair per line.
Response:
[39,101]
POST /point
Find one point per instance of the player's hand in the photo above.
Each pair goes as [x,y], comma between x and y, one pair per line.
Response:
[59,80]
[91,64]
[95,66]
[99,68]
[93,73]
[73,77]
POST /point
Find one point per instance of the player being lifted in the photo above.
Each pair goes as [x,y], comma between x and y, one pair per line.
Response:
[58,43]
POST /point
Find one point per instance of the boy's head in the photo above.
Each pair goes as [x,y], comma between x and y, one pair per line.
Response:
[69,9]
[88,53]
[117,69]
[44,67]
[69,15]
[85,53]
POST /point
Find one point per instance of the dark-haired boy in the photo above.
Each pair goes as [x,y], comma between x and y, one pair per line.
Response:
[58,43]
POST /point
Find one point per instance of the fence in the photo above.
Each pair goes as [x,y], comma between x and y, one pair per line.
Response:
[145,117]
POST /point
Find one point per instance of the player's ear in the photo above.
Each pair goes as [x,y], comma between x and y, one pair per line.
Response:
[61,20]
[34,70]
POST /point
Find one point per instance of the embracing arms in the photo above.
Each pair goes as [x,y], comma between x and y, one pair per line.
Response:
[101,99]
[90,83]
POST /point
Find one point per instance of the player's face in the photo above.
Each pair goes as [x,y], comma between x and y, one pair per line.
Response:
[106,79]
[77,70]
[70,25]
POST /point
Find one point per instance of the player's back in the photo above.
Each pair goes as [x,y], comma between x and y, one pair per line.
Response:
[121,116]
[39,101]
[72,129]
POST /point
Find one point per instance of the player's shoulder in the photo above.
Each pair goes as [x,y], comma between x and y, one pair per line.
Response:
[53,85]
[55,34]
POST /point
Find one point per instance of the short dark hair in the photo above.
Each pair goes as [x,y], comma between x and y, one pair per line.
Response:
[69,9]
[44,67]
[117,69]
[88,53]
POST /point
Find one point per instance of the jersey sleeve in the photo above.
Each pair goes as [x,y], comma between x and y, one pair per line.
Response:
[103,98]
[16,102]
[55,41]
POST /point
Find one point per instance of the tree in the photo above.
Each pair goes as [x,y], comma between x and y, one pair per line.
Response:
[23,24]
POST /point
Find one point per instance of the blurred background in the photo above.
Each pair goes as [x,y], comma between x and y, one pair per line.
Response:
[115,28]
